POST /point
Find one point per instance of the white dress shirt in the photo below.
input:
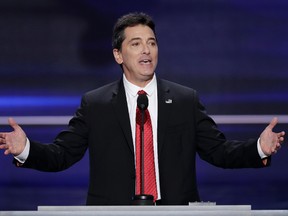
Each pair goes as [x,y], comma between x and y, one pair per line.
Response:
[131,96]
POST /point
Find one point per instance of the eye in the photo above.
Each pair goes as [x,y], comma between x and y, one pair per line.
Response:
[135,44]
[152,43]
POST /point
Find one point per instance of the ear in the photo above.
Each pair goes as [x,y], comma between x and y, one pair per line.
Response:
[117,56]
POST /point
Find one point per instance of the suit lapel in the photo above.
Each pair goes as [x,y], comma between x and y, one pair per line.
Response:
[165,103]
[119,103]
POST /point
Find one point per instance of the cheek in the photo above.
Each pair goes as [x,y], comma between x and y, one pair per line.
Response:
[130,63]
[130,59]
[156,52]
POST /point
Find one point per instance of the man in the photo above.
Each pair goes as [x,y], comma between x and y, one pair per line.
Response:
[105,123]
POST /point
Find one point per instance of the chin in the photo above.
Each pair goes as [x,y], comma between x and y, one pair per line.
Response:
[148,75]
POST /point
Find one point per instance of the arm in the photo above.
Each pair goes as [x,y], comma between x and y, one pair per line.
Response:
[214,148]
[68,147]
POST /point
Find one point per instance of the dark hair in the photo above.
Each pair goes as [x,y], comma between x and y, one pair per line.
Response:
[129,20]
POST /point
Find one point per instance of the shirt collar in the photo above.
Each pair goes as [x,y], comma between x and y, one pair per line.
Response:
[133,89]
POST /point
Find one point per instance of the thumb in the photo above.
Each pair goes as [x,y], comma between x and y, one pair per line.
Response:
[273,123]
[13,123]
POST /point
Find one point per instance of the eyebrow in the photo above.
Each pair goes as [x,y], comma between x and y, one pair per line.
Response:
[138,38]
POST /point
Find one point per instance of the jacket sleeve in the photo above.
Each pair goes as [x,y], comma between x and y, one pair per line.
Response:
[68,147]
[213,147]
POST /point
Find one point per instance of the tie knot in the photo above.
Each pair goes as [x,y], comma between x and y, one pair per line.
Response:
[141,92]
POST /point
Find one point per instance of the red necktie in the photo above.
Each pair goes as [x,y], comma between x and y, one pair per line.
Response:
[149,184]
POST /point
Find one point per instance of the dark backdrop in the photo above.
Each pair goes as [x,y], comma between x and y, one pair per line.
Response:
[233,52]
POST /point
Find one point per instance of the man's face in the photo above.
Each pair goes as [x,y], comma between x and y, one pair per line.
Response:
[138,54]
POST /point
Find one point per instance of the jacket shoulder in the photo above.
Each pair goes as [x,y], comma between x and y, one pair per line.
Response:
[111,87]
[176,88]
[103,93]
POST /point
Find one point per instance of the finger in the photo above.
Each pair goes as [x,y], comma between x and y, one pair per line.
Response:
[3,146]
[13,123]
[273,123]
[2,140]
[274,150]
[281,137]
[281,134]
[7,152]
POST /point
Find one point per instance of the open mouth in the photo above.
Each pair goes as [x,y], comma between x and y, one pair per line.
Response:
[145,61]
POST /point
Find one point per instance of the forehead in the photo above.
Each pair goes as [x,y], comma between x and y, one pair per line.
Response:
[138,31]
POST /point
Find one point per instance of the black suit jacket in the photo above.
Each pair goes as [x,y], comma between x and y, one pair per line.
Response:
[102,125]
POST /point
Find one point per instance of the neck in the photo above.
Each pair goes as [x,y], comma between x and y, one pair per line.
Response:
[140,83]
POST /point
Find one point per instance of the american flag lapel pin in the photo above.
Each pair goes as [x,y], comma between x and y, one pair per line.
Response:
[168,101]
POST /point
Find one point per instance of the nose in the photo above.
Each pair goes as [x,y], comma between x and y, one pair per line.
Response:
[146,49]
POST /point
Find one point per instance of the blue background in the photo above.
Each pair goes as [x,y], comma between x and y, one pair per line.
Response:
[234,53]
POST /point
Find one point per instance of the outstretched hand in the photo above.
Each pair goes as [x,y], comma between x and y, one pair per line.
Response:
[270,141]
[13,142]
